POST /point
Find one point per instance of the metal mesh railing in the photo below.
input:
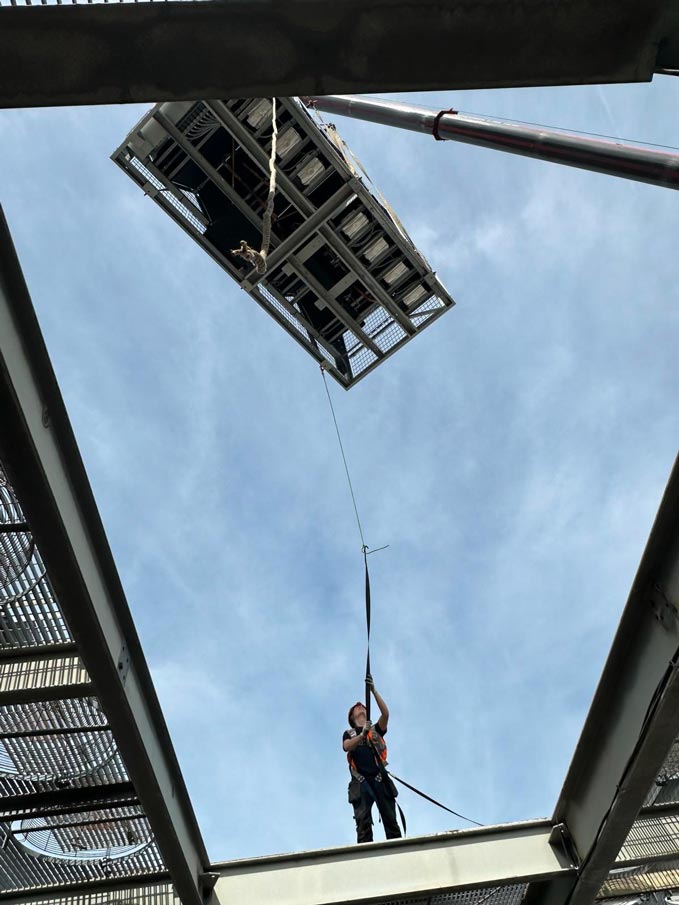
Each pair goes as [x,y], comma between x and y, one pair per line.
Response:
[281,310]
[426,309]
[172,197]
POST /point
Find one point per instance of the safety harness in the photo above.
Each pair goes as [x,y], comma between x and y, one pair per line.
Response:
[377,743]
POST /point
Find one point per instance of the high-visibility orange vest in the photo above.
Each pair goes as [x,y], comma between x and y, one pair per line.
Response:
[378,745]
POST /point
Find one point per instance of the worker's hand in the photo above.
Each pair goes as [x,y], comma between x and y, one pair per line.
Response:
[366,727]
[370,683]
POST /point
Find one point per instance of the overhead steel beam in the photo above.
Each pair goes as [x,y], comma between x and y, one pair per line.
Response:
[120,53]
[402,868]
[634,717]
[41,456]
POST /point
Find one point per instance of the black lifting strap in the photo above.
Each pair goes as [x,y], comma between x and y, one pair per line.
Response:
[433,801]
[380,765]
[367,622]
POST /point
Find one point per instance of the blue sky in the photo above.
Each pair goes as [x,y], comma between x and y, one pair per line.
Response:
[513,458]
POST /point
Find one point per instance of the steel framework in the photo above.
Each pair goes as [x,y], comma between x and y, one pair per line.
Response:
[344,279]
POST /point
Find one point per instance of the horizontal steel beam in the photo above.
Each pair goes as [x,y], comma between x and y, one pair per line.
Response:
[60,731]
[120,53]
[34,654]
[39,451]
[69,801]
[376,872]
[13,527]
[152,889]
[634,717]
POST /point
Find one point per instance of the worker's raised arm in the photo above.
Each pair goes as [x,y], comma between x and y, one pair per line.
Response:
[384,710]
[350,743]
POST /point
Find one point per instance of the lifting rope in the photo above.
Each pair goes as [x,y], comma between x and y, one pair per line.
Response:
[258,258]
[366,552]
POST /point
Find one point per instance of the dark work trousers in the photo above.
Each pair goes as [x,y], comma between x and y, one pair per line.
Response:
[374,790]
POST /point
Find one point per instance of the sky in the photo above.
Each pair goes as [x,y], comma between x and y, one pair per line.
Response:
[513,457]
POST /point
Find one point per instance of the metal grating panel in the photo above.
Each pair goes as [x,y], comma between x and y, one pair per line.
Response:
[56,741]
[665,789]
[640,880]
[16,543]
[22,870]
[124,894]
[651,837]
[68,813]
[29,614]
[40,675]
[493,895]
[344,279]
[154,186]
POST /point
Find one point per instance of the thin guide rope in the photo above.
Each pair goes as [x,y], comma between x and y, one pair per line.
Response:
[364,547]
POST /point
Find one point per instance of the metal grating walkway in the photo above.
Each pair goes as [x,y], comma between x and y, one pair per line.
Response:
[68,812]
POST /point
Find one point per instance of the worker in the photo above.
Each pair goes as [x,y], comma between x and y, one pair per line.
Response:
[370,782]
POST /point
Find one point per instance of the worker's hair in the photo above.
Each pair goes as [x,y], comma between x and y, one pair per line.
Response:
[351,713]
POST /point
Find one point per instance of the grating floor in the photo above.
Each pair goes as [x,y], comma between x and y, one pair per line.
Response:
[68,813]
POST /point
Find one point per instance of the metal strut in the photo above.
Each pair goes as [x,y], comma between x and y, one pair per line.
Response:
[609,157]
